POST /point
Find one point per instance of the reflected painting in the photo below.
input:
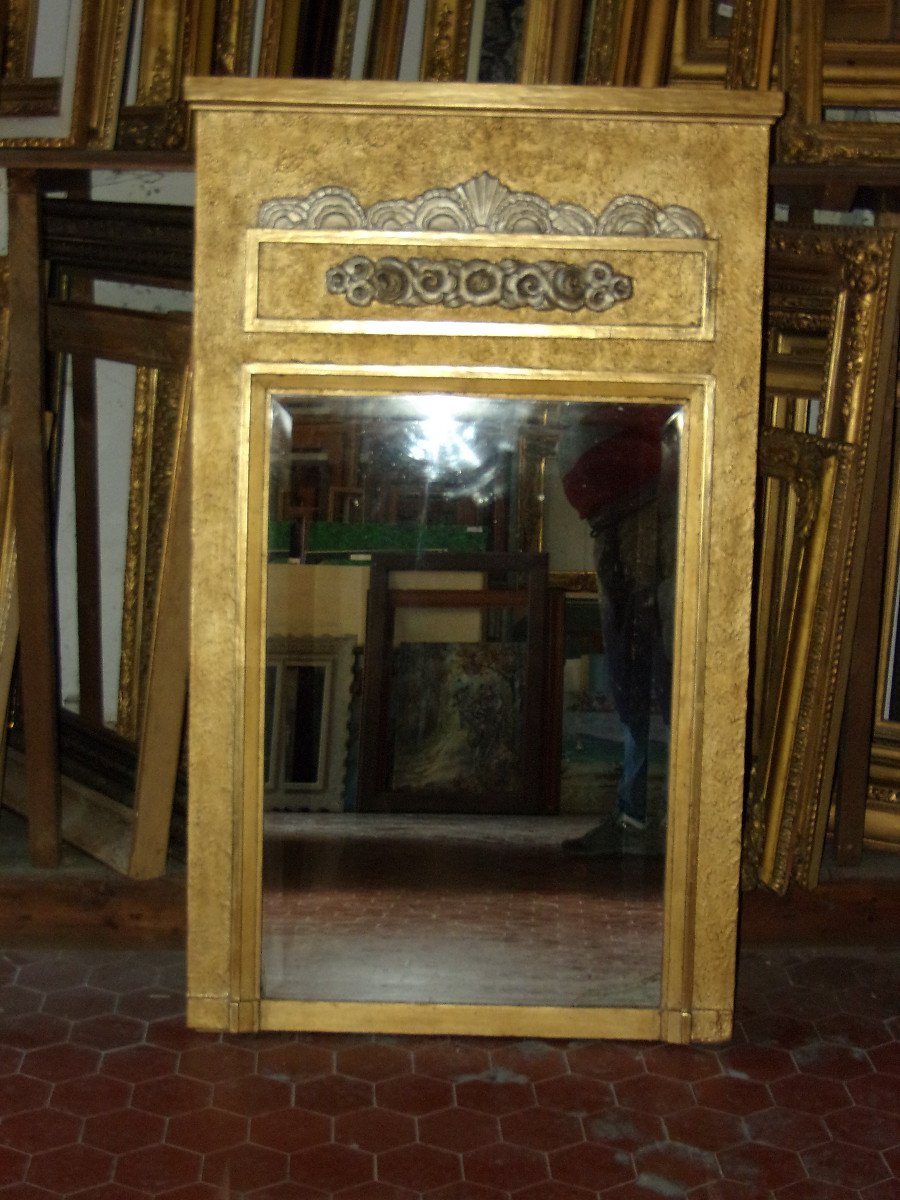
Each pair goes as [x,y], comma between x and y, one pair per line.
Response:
[468,682]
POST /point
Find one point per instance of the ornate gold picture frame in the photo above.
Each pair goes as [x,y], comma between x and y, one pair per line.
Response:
[834,94]
[80,107]
[882,820]
[832,301]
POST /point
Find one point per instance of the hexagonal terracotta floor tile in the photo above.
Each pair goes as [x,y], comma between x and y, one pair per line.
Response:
[856,1030]
[552,1189]
[459,1129]
[58,1063]
[207,1130]
[332,1168]
[375,1129]
[19,1094]
[735,1095]
[172,1095]
[173,1034]
[253,1095]
[865,1127]
[580,1095]
[419,1168]
[134,1064]
[466,1191]
[762,1063]
[127,1129]
[113,1191]
[242,1168]
[775,1029]
[158,1168]
[676,1166]
[70,1169]
[217,1063]
[886,1058]
[16,1001]
[804,1002]
[151,1004]
[809,1094]
[624,1128]
[655,1094]
[414,1094]
[373,1061]
[290,1129]
[841,1163]
[831,1061]
[814,1189]
[108,1032]
[505,1166]
[493,1095]
[706,1128]
[375,1191]
[877,1091]
[91,1095]
[761,1166]
[541,1129]
[689,1063]
[77,1003]
[13,1165]
[591,1165]
[41,1129]
[32,1031]
[451,1060]
[295,1061]
[51,974]
[10,1060]
[333,1095]
[606,1060]
[786,1128]
[530,1059]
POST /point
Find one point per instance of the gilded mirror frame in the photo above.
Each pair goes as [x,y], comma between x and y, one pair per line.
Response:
[265,326]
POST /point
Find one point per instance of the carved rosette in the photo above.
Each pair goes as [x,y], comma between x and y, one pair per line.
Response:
[480,205]
[454,283]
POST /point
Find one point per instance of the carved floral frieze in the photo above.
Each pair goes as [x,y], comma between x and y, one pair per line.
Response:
[455,283]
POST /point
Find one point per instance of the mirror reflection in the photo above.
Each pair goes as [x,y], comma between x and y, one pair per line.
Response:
[467,698]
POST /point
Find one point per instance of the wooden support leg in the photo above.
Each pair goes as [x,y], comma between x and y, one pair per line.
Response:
[38,637]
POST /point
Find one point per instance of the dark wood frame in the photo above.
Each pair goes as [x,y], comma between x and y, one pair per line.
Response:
[374,793]
[65,241]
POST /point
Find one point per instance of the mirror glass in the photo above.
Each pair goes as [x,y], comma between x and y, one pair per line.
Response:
[467,698]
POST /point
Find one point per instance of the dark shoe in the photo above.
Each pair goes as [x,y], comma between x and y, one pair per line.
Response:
[618,835]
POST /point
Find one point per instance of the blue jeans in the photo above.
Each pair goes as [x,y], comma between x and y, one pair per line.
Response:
[634,561]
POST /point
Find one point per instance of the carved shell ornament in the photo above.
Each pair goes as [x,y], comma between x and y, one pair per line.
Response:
[480,205]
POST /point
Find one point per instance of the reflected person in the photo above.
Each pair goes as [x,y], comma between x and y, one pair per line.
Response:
[619,470]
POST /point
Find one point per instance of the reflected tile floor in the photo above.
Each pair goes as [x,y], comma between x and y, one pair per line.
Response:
[519,922]
[106,1095]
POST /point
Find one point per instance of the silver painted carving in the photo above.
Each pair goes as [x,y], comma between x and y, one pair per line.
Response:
[455,283]
[480,205]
